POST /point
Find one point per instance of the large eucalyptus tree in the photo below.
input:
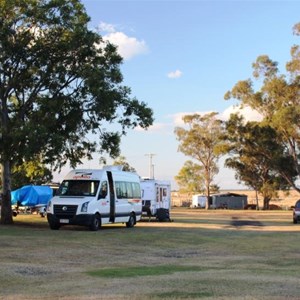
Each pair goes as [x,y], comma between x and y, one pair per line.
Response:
[59,81]
[259,158]
[278,101]
[203,141]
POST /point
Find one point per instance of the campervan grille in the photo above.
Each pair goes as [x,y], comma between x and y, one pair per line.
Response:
[61,212]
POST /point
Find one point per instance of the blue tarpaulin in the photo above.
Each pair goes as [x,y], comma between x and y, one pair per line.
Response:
[31,195]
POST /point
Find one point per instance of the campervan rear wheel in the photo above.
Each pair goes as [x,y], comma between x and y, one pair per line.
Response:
[131,221]
[96,223]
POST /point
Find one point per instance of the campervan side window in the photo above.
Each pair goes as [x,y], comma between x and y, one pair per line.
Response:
[78,188]
[136,190]
[121,190]
[127,190]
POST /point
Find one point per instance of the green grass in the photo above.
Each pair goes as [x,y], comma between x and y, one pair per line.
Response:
[183,295]
[143,271]
[200,255]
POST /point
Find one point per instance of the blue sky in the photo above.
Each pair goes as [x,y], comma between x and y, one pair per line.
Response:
[181,57]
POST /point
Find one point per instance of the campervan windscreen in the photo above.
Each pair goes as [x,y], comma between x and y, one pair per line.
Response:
[78,188]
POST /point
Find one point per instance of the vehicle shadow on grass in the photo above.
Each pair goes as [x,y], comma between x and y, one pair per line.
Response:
[236,222]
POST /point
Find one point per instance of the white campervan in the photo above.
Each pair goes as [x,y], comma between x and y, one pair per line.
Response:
[96,197]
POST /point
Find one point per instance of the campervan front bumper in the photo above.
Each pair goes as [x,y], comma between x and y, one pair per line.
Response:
[81,219]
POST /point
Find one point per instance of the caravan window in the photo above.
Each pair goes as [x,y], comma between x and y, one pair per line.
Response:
[78,188]
[165,192]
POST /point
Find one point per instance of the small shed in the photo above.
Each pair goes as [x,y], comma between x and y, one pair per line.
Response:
[229,200]
[199,201]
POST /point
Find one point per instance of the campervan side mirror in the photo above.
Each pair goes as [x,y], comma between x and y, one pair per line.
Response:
[103,190]
[102,194]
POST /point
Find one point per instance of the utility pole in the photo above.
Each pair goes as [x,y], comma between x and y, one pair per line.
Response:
[151,166]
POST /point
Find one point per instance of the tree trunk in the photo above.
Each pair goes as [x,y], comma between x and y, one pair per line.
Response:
[207,191]
[266,202]
[6,211]
[257,203]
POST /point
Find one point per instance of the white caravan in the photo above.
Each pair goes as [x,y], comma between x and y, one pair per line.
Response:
[96,197]
[156,198]
[199,201]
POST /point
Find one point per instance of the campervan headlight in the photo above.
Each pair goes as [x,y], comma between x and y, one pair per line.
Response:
[48,206]
[84,207]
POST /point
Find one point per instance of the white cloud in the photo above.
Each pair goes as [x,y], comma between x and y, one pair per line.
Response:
[105,27]
[248,113]
[156,127]
[128,47]
[177,118]
[175,74]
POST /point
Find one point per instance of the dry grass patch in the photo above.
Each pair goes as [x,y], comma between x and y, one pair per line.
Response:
[142,271]
[201,255]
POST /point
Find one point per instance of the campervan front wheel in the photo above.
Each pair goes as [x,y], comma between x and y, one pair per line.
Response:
[96,222]
[131,221]
[54,225]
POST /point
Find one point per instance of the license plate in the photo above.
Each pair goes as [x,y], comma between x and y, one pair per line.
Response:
[64,221]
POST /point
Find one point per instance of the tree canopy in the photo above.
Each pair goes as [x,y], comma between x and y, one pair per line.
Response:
[121,160]
[277,99]
[59,81]
[257,157]
[190,178]
[32,172]
[203,142]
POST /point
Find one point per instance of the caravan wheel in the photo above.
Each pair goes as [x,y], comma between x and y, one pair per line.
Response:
[131,221]
[163,215]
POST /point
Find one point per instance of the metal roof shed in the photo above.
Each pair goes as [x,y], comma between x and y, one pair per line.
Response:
[229,200]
